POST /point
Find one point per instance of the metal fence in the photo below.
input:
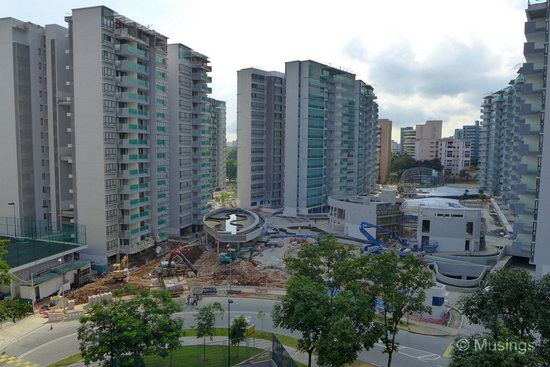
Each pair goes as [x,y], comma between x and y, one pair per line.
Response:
[280,355]
[42,230]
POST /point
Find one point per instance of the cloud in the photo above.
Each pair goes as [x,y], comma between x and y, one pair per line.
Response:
[451,68]
[355,49]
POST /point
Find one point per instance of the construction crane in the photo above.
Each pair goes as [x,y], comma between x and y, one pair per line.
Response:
[175,264]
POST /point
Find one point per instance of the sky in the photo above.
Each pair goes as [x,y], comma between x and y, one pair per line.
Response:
[426,59]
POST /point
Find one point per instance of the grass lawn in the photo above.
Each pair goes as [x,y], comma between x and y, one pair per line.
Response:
[216,355]
[67,361]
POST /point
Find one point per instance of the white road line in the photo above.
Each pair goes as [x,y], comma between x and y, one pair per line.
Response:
[47,343]
[426,356]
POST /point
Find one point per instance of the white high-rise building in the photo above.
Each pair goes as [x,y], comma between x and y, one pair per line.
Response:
[454,154]
[330,136]
[260,138]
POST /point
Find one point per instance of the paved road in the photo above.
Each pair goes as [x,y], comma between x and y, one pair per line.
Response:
[45,346]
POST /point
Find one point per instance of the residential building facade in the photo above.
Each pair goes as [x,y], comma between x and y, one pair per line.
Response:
[24,136]
[408,139]
[260,138]
[454,154]
[385,126]
[218,115]
[426,138]
[327,110]
[471,133]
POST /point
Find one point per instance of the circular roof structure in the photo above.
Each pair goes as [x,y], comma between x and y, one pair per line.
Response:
[422,177]
[233,225]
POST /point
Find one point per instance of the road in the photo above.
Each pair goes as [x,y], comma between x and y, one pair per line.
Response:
[45,346]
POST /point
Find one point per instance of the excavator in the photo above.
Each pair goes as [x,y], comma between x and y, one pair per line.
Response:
[120,270]
[175,265]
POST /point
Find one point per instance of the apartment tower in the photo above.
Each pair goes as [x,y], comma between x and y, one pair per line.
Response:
[326,151]
[385,149]
[260,138]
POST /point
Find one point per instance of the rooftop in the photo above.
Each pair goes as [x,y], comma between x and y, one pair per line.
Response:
[28,251]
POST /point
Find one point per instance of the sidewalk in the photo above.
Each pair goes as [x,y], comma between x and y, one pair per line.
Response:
[10,332]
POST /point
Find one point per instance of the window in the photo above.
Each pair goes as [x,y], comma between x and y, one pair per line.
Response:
[109,120]
[438,301]
[470,227]
[108,72]
[108,56]
[110,199]
[111,229]
[110,183]
[113,244]
[110,167]
[109,136]
[110,152]
[108,104]
[110,214]
[108,88]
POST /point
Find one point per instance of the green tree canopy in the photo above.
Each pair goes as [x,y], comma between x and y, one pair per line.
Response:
[123,332]
[205,319]
[401,285]
[326,301]
[4,266]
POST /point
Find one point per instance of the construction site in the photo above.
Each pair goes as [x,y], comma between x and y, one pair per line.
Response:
[247,249]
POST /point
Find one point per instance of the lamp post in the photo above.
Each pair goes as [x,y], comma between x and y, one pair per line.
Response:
[229,302]
[62,281]
[14,223]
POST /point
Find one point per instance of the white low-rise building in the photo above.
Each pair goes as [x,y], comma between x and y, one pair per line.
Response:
[451,229]
[383,210]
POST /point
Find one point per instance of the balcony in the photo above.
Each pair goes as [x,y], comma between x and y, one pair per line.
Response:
[134,158]
[132,67]
[134,188]
[127,50]
[200,99]
[134,173]
[124,33]
[129,82]
[133,143]
[132,113]
[529,48]
[138,217]
[130,97]
[133,128]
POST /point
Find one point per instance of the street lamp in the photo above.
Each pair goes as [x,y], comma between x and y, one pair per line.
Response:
[229,302]
[63,281]
[14,223]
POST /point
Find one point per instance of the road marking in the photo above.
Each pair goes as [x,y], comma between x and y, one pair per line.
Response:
[15,361]
[46,344]
[419,354]
[448,351]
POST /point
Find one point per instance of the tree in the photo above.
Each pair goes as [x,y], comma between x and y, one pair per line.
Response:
[205,319]
[509,300]
[231,164]
[400,284]
[4,266]
[328,304]
[14,310]
[123,332]
[237,332]
[481,350]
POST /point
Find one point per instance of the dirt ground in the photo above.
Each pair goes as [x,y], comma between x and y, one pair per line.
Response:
[210,273]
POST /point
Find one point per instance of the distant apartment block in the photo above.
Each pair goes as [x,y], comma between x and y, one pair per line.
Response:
[260,138]
[470,133]
[385,126]
[426,140]
[197,134]
[395,147]
[454,154]
[496,137]
[408,139]
[330,136]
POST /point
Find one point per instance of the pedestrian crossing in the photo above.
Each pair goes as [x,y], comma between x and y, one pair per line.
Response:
[6,360]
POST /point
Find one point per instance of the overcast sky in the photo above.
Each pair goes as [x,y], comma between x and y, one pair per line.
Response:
[426,59]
